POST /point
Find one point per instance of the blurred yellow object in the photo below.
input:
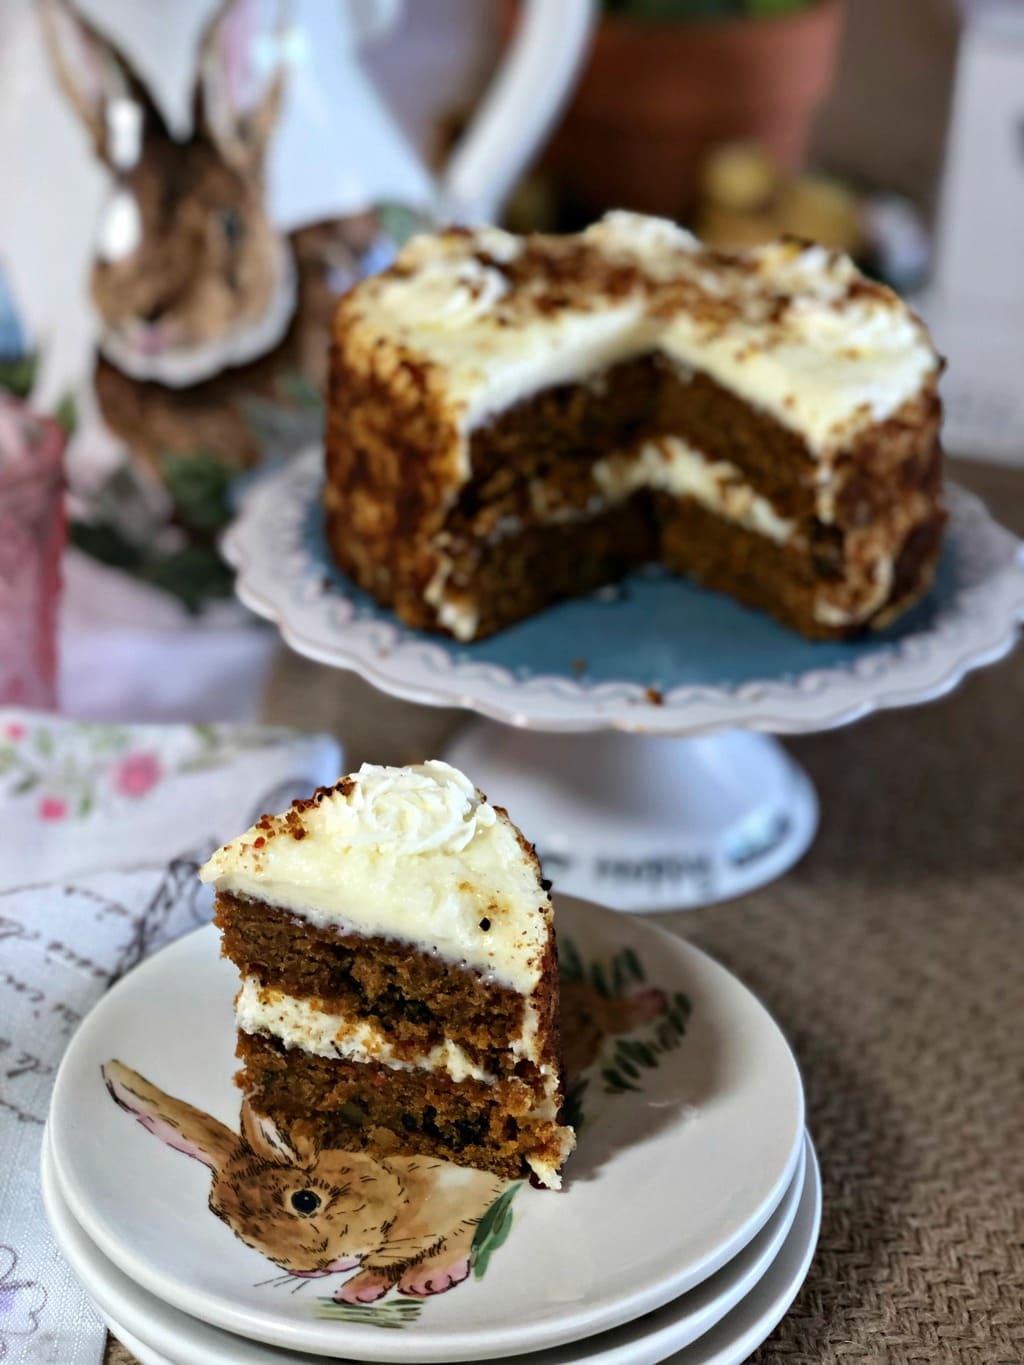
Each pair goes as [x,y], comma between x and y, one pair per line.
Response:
[821,210]
[731,230]
[739,177]
[747,198]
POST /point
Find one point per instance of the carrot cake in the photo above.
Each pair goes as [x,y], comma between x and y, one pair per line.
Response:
[513,420]
[399,972]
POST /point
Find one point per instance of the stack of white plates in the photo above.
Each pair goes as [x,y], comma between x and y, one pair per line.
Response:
[687,1225]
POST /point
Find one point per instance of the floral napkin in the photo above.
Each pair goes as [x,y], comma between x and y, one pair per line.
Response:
[101,831]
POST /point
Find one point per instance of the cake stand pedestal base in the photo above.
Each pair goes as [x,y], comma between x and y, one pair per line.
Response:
[644,823]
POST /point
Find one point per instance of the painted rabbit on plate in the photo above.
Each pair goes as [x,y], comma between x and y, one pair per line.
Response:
[404,1222]
[401,1222]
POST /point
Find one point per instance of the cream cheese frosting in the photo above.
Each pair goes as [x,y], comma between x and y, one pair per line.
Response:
[665,463]
[414,854]
[298,1023]
[795,330]
[672,465]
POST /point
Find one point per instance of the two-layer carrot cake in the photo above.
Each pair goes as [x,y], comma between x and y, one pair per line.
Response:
[513,420]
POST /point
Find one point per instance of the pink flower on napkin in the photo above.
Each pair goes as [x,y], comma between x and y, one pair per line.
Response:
[52,808]
[137,774]
[15,730]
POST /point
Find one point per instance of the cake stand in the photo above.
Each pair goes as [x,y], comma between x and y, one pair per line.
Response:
[630,731]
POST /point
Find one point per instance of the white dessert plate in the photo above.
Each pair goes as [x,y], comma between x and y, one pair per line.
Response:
[693,1121]
[157,1333]
[658,654]
[141,1350]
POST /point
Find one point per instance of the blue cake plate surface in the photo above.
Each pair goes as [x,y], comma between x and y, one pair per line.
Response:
[655,653]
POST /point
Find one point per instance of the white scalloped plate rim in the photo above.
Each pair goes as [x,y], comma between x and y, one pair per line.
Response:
[277,578]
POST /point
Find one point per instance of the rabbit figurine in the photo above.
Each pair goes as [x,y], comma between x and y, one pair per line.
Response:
[404,1223]
[202,302]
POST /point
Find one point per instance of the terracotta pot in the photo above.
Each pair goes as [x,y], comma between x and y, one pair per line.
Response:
[656,97]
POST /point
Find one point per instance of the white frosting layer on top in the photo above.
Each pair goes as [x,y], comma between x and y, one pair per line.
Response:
[414,854]
[794,330]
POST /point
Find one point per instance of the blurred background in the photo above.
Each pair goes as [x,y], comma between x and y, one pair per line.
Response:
[189,187]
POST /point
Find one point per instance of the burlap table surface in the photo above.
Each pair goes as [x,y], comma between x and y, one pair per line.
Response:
[893,958]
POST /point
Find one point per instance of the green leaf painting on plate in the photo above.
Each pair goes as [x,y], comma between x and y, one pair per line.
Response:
[492,1230]
[391,1313]
[630,1024]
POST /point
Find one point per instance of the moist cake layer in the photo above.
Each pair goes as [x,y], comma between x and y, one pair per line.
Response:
[501,1127]
[310,1024]
[508,581]
[417,999]
[557,519]
[487,584]
[889,481]
[554,441]
[785,580]
[570,452]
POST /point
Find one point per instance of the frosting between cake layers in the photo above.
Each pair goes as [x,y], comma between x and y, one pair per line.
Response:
[665,463]
[297,1023]
[414,854]
[794,330]
[671,465]
[456,614]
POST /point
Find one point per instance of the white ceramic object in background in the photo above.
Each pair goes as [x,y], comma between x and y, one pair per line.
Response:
[719,813]
[533,80]
[523,103]
[693,821]
[139,1319]
[672,1179]
[336,151]
[974,301]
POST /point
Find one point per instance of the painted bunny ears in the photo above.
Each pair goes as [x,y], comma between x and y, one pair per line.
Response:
[186,1129]
[239,82]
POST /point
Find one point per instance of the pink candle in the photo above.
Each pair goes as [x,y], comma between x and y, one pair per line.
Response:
[32,532]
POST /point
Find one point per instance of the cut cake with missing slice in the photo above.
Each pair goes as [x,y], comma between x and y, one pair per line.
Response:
[399,972]
[515,420]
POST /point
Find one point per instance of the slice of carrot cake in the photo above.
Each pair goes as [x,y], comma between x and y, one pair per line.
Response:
[399,972]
